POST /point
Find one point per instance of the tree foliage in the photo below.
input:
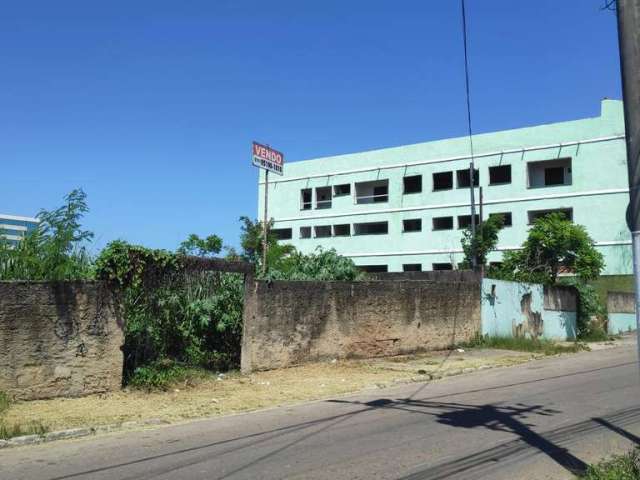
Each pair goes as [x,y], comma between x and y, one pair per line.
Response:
[484,242]
[321,265]
[201,247]
[553,244]
[55,250]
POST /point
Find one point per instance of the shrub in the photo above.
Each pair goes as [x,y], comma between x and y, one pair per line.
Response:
[620,467]
[164,374]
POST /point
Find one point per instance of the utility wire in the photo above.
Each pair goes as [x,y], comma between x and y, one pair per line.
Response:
[474,258]
[466,76]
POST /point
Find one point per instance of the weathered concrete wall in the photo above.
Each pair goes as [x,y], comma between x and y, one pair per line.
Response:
[288,323]
[435,275]
[621,308]
[511,309]
[58,339]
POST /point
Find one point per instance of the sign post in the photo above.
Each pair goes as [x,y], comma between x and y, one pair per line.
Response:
[270,160]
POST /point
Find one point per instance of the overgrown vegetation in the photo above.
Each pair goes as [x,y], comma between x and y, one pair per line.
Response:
[547,347]
[10,429]
[55,250]
[620,467]
[164,374]
[554,245]
[189,316]
[485,241]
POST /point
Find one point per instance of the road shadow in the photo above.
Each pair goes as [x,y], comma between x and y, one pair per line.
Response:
[505,418]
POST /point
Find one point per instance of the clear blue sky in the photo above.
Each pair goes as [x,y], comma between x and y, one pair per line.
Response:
[151,106]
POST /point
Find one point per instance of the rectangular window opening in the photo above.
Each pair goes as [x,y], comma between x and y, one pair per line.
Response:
[506,218]
[305,232]
[412,184]
[373,268]
[549,173]
[442,266]
[500,175]
[341,190]
[371,228]
[442,181]
[282,233]
[322,231]
[443,223]
[305,199]
[412,225]
[372,192]
[536,214]
[412,267]
[342,230]
[464,181]
[464,221]
[323,197]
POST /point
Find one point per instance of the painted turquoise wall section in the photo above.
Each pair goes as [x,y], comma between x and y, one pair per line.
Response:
[598,194]
[501,311]
[621,322]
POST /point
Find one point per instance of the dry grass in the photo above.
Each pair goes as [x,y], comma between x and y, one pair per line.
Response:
[238,393]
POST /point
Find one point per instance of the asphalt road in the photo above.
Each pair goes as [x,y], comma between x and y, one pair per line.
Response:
[545,419]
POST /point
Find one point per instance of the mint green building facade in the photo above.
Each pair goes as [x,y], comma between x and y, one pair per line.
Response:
[404,208]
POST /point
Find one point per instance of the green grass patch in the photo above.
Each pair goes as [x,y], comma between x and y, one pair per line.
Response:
[8,431]
[620,467]
[165,374]
[4,402]
[548,347]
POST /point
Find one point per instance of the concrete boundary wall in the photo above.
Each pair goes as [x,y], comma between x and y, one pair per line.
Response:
[59,339]
[621,309]
[288,323]
[511,309]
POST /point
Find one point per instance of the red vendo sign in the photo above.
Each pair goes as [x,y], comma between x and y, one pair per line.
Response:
[267,158]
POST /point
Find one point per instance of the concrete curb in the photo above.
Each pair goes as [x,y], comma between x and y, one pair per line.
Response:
[77,433]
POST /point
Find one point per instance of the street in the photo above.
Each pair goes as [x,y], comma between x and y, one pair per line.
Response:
[544,419]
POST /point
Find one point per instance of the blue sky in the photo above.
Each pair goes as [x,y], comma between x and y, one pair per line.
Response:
[151,106]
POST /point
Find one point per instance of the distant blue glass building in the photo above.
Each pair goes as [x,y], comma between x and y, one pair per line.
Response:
[13,228]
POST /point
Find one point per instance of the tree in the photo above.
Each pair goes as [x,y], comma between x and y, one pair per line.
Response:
[201,247]
[252,246]
[55,250]
[484,242]
[553,244]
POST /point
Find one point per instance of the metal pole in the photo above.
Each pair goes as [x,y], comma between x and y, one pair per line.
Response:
[265,224]
[480,219]
[629,42]
[474,257]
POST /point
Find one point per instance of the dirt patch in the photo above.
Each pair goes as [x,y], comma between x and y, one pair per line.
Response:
[237,393]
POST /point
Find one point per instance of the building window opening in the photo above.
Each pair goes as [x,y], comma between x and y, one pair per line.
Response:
[372,192]
[534,215]
[305,199]
[323,197]
[373,268]
[464,221]
[413,184]
[500,175]
[305,232]
[282,233]
[442,181]
[412,267]
[442,266]
[342,190]
[443,223]
[549,173]
[464,181]
[506,218]
[322,231]
[343,230]
[412,225]
[371,228]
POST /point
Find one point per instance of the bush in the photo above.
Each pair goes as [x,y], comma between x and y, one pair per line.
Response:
[190,316]
[324,265]
[55,250]
[620,467]
[590,307]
